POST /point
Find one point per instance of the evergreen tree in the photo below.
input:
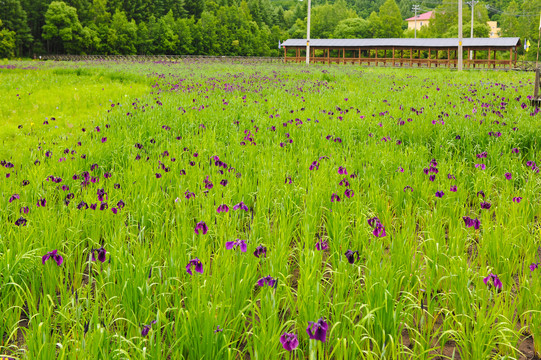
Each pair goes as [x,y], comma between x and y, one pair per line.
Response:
[168,38]
[185,29]
[326,17]
[83,9]
[194,7]
[139,10]
[7,42]
[122,34]
[375,25]
[98,12]
[509,21]
[14,19]
[390,20]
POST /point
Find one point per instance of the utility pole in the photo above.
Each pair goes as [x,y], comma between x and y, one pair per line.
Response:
[415,9]
[472,5]
[308,34]
[460,54]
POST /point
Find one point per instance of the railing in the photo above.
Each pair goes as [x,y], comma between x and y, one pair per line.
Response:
[164,58]
[407,62]
[397,62]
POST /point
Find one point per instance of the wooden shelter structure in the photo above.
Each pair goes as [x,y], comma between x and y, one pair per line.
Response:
[487,52]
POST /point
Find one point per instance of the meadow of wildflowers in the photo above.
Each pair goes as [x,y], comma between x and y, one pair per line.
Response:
[242,211]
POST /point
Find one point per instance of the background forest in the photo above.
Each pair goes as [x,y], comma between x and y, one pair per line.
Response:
[234,27]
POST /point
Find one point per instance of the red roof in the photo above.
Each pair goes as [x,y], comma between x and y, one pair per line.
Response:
[425,16]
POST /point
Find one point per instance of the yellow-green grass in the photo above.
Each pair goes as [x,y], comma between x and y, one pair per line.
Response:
[73,97]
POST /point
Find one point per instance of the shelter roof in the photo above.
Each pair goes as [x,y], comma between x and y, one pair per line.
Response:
[504,42]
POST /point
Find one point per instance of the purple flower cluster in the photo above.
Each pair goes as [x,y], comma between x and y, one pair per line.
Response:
[379,229]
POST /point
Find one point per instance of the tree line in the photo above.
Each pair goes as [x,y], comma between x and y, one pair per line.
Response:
[229,27]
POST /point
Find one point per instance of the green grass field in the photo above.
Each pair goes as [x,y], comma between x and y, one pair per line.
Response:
[395,209]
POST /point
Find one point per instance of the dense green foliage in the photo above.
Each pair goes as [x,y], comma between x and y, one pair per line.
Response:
[230,27]
[313,154]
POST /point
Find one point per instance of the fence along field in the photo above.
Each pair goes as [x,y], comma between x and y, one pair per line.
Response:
[225,211]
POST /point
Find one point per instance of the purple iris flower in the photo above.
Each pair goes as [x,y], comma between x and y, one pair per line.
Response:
[241,244]
[515,150]
[408,188]
[335,197]
[453,188]
[208,184]
[223,182]
[218,329]
[222,208]
[41,202]
[104,206]
[471,222]
[267,280]
[508,176]
[197,264]
[534,266]
[350,255]
[439,194]
[82,205]
[317,330]
[24,210]
[102,195]
[480,166]
[20,221]
[314,165]
[120,204]
[517,199]
[344,182]
[349,193]
[379,230]
[14,197]
[482,155]
[146,328]
[53,255]
[322,245]
[240,206]
[432,177]
[342,170]
[373,221]
[289,341]
[480,192]
[93,206]
[201,226]
[101,254]
[493,280]
[114,210]
[485,205]
[260,251]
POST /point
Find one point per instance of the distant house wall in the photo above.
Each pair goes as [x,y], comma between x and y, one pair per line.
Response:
[424,20]
[494,29]
[420,23]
